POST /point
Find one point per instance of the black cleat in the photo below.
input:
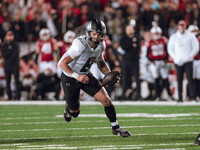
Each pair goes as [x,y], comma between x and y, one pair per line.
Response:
[67,117]
[197,141]
[122,132]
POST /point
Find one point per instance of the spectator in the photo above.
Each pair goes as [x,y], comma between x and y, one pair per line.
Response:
[162,17]
[173,12]
[67,15]
[49,15]
[147,15]
[18,27]
[13,7]
[95,9]
[172,27]
[130,43]
[194,17]
[83,17]
[10,53]
[48,82]
[52,22]
[116,25]
[35,25]
[5,23]
[132,10]
[183,54]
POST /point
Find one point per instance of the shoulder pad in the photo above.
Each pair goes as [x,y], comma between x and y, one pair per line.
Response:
[83,40]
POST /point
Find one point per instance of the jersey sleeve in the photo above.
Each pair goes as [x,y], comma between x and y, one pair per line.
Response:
[75,49]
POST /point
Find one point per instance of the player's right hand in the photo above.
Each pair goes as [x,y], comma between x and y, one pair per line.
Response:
[83,78]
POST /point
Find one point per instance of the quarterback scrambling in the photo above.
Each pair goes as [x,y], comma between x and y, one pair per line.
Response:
[75,65]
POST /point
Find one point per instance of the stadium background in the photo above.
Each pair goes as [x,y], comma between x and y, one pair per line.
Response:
[38,124]
[27,17]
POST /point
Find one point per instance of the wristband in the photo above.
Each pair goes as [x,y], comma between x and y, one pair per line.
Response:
[75,75]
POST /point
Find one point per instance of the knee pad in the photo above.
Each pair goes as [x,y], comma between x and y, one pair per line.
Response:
[75,114]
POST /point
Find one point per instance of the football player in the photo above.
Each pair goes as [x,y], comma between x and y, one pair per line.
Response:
[145,73]
[157,54]
[46,47]
[64,45]
[68,37]
[196,62]
[75,64]
[197,140]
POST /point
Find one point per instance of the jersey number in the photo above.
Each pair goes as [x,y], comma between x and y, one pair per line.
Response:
[46,48]
[88,64]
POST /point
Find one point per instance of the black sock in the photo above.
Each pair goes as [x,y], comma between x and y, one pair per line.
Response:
[110,113]
[115,127]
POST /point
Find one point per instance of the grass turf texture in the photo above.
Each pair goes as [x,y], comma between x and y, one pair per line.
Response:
[37,127]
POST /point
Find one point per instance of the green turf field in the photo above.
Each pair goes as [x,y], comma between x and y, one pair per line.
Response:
[152,127]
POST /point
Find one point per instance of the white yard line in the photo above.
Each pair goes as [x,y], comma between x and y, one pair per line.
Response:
[97,136]
[162,103]
[148,115]
[103,147]
[26,118]
[100,147]
[100,128]
[26,146]
[27,113]
[87,121]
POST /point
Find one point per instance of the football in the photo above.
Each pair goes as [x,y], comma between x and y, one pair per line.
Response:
[110,78]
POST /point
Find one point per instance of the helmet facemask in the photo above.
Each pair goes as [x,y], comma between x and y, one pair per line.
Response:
[156,36]
[96,27]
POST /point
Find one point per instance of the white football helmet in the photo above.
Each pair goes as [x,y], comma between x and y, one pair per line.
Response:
[193,29]
[44,34]
[69,36]
[156,32]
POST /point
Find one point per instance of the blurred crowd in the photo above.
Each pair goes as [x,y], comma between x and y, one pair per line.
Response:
[131,24]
